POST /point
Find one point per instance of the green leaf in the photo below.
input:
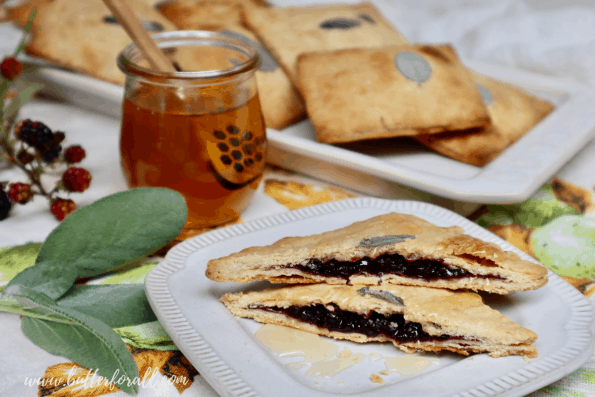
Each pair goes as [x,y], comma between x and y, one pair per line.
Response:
[83,347]
[126,225]
[132,276]
[23,95]
[51,278]
[15,259]
[104,235]
[87,341]
[27,29]
[412,66]
[115,305]
[147,336]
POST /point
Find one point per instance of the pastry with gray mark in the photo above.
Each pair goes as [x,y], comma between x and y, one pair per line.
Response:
[81,35]
[288,32]
[360,94]
[280,102]
[387,249]
[513,113]
[428,319]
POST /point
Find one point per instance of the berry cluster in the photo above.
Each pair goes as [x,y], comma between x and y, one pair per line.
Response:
[35,149]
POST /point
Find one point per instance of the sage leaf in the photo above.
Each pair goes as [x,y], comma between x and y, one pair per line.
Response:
[116,305]
[384,240]
[86,340]
[384,295]
[486,94]
[340,23]
[412,66]
[51,278]
[125,225]
[134,275]
[82,347]
[105,235]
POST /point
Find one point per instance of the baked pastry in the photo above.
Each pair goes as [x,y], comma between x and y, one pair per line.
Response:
[513,113]
[19,11]
[281,104]
[290,31]
[187,14]
[387,249]
[358,94]
[412,318]
[82,35]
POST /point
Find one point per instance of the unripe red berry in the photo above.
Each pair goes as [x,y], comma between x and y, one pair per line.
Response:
[74,154]
[61,208]
[11,68]
[19,193]
[76,179]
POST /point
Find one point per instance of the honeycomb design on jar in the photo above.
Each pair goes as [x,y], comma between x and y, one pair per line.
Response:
[239,154]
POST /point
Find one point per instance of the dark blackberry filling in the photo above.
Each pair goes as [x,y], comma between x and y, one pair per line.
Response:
[387,264]
[394,327]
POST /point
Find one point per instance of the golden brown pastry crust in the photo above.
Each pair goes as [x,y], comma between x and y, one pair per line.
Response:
[89,45]
[281,104]
[439,311]
[358,94]
[513,113]
[448,244]
[290,31]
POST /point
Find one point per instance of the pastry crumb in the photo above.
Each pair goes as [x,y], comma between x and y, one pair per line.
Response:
[346,353]
[385,372]
[376,379]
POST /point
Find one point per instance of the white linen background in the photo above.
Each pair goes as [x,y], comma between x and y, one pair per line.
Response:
[556,38]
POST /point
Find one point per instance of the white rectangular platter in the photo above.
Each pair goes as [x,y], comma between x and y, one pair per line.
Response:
[224,350]
[373,168]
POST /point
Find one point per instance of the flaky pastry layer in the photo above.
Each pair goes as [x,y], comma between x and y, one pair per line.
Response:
[448,245]
[474,326]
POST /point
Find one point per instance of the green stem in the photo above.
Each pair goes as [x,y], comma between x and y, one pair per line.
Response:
[27,30]
[42,317]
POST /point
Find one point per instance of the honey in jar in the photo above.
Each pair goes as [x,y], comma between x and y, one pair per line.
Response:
[200,133]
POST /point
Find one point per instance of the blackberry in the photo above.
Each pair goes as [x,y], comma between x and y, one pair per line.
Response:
[5,205]
[34,133]
[51,152]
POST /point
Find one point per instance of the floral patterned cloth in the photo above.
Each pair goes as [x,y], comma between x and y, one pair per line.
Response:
[556,225]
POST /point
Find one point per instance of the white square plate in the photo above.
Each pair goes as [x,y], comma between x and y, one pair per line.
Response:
[223,348]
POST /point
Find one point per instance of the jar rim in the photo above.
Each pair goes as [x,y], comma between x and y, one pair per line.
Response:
[171,39]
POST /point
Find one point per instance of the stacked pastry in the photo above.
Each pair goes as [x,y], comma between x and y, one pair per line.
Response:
[317,28]
[344,66]
[392,278]
[383,89]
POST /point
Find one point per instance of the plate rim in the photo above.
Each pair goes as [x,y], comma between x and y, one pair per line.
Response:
[226,382]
